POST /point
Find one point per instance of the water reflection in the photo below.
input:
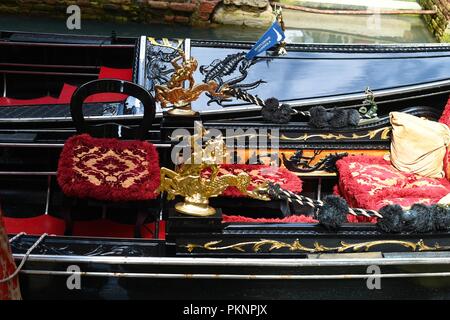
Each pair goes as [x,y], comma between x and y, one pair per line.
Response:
[306,27]
[302,27]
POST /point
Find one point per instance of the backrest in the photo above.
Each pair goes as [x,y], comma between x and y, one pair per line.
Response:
[445,118]
[111,130]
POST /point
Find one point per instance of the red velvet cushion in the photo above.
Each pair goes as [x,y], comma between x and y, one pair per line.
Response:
[115,73]
[111,73]
[66,93]
[109,229]
[108,169]
[445,118]
[68,90]
[27,102]
[371,182]
[8,290]
[260,174]
[35,225]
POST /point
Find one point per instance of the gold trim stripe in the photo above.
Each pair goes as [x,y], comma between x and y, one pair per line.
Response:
[273,245]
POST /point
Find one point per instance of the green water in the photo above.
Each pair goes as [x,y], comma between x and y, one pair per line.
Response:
[301,27]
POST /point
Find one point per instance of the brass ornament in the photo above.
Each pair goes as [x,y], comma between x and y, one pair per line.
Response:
[256,246]
[189,179]
[176,96]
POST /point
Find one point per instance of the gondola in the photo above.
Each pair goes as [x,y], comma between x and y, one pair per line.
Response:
[240,248]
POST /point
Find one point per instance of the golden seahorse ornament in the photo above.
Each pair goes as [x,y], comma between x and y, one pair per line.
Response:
[176,96]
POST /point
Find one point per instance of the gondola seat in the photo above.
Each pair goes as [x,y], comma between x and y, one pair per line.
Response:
[105,73]
[5,101]
[96,166]
[38,225]
[371,182]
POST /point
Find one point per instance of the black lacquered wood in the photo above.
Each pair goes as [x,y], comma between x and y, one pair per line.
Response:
[112,86]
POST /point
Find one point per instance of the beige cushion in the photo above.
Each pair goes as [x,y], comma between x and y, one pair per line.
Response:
[445,200]
[418,145]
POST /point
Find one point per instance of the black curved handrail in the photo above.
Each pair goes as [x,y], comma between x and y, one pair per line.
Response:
[113,86]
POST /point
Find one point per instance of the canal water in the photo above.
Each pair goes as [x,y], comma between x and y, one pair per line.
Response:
[302,27]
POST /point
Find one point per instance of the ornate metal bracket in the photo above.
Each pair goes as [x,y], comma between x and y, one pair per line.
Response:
[301,163]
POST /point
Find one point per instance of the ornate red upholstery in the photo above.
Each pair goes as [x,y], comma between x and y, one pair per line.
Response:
[9,290]
[108,169]
[371,182]
[445,118]
[289,219]
[259,174]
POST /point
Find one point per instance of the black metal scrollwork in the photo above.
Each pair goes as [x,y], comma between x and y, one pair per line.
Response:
[301,163]
[219,69]
[158,65]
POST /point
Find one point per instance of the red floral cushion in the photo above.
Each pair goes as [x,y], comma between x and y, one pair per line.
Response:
[289,219]
[371,182]
[8,290]
[108,169]
[445,118]
[260,174]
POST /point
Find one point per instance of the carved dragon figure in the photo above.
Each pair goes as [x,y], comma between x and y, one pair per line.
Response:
[197,182]
[174,91]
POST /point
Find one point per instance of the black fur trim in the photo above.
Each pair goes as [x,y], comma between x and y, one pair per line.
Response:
[339,119]
[419,219]
[272,103]
[392,219]
[281,114]
[353,117]
[318,117]
[333,213]
[441,217]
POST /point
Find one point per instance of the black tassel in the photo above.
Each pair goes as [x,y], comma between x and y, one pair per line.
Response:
[333,213]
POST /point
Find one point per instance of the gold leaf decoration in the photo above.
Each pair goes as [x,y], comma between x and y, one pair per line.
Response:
[257,246]
[384,135]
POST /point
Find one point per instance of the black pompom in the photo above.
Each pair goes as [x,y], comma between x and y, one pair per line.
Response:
[279,114]
[335,118]
[319,117]
[419,219]
[441,218]
[353,117]
[392,219]
[272,103]
[333,213]
[339,119]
